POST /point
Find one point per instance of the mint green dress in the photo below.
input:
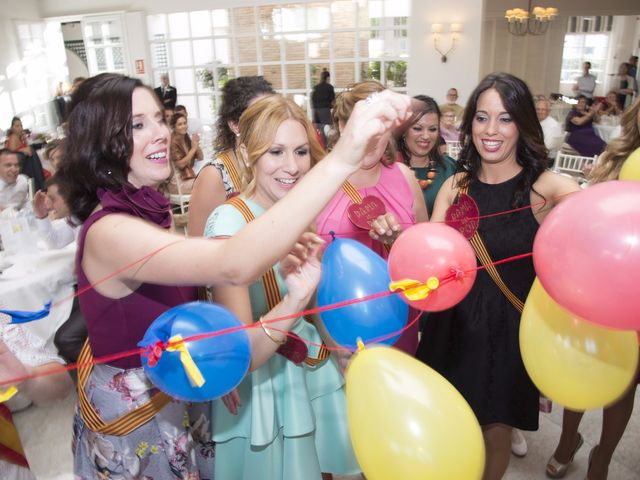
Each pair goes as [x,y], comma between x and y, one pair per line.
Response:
[292,423]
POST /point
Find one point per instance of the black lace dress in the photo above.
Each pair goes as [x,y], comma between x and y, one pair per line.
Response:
[475,345]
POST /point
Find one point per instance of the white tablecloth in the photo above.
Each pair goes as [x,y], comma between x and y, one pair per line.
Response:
[607,132]
[32,281]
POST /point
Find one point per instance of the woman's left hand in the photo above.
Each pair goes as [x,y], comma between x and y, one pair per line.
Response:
[301,269]
[385,229]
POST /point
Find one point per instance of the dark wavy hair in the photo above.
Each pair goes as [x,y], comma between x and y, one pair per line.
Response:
[531,153]
[99,140]
[427,105]
[172,123]
[236,95]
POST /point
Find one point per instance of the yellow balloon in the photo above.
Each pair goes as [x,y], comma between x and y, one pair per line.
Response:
[578,364]
[631,167]
[407,422]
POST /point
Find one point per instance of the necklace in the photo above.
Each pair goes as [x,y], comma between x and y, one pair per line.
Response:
[431,175]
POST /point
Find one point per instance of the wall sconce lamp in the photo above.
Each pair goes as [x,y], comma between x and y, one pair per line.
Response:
[437,29]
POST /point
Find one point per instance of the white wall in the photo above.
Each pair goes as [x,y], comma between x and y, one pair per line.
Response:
[536,59]
[426,73]
[11,68]
[138,45]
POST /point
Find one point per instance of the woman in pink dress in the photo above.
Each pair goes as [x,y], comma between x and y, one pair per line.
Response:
[394,184]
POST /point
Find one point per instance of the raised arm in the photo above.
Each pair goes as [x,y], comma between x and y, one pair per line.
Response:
[117,241]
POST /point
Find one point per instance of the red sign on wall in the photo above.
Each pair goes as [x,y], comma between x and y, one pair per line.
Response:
[139,66]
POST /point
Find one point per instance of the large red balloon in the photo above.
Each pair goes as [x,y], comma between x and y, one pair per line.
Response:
[587,254]
[434,250]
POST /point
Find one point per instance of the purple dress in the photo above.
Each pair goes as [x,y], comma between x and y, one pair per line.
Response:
[175,443]
[583,137]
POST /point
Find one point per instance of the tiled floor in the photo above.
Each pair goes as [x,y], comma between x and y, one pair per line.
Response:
[46,433]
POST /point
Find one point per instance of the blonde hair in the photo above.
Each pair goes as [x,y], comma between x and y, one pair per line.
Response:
[344,104]
[258,126]
[619,149]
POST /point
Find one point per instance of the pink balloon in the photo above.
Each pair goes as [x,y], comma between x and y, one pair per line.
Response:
[587,254]
[434,250]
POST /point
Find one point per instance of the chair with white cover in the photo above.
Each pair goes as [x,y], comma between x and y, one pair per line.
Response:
[572,164]
[179,200]
[453,149]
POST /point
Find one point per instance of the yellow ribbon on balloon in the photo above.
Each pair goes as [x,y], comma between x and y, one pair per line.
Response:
[176,344]
[414,289]
[631,167]
[407,422]
[575,363]
[8,394]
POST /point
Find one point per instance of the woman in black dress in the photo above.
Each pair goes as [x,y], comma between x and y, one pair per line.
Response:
[475,344]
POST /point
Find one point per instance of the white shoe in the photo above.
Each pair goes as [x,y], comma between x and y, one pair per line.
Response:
[518,443]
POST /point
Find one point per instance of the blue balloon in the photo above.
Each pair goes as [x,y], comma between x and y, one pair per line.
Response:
[223,360]
[351,270]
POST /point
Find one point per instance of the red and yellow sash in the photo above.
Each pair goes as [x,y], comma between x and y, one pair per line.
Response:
[230,167]
[10,446]
[270,283]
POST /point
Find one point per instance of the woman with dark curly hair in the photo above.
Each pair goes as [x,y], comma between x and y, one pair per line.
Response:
[418,146]
[183,153]
[131,269]
[475,344]
[214,185]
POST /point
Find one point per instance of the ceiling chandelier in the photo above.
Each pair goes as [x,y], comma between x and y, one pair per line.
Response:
[533,22]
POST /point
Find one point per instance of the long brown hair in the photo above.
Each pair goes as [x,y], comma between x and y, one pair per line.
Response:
[531,153]
[619,149]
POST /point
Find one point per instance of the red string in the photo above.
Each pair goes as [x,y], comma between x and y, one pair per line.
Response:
[140,351]
[201,336]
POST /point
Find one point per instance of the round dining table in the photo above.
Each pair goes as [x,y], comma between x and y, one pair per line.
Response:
[30,280]
[607,132]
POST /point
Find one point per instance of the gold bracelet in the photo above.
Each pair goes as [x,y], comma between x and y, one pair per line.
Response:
[270,335]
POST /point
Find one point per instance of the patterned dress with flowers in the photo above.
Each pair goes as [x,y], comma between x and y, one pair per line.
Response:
[175,443]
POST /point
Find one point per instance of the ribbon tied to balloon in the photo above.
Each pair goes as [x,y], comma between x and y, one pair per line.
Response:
[433,265]
[201,370]
[350,270]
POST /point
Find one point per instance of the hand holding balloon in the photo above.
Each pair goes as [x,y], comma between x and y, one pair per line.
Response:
[385,228]
[301,269]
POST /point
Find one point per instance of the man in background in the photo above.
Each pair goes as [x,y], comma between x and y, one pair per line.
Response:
[167,94]
[14,187]
[321,100]
[551,129]
[585,84]
[452,104]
